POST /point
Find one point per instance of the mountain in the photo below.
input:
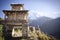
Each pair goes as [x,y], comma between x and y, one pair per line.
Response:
[39,21]
[47,25]
[52,27]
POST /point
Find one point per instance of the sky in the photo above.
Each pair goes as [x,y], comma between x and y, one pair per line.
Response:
[37,8]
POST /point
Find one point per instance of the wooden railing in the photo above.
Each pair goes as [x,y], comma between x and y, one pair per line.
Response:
[16,21]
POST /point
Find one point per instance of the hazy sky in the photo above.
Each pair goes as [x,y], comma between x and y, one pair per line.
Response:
[37,8]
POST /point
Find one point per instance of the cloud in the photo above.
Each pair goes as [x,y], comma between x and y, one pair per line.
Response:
[57,13]
[34,14]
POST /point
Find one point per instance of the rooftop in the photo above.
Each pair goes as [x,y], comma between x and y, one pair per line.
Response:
[15,10]
[17,4]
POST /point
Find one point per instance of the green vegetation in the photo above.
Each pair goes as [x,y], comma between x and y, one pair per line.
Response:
[1,33]
[1,19]
[16,30]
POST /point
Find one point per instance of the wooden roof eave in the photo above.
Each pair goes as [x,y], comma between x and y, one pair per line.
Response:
[17,4]
[15,10]
[6,11]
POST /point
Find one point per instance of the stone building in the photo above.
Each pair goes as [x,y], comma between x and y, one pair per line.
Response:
[16,25]
[16,18]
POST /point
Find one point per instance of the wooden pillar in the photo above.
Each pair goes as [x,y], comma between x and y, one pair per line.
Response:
[24,30]
[15,16]
[5,16]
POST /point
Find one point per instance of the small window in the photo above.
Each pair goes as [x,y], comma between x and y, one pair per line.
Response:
[20,28]
[25,17]
[31,29]
[16,29]
[21,8]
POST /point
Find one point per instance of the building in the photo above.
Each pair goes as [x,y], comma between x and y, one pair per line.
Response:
[16,25]
[16,17]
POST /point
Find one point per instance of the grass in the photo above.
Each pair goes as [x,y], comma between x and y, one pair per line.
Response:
[1,33]
[41,35]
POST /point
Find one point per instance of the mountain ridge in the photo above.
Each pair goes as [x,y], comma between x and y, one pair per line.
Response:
[47,25]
